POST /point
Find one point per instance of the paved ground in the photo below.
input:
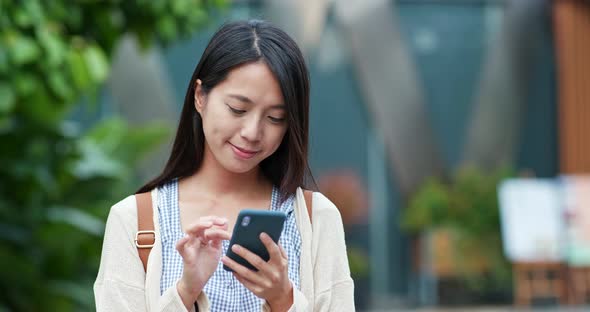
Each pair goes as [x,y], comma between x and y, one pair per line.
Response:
[491,309]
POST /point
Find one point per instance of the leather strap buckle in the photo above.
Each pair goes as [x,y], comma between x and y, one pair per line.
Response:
[145,245]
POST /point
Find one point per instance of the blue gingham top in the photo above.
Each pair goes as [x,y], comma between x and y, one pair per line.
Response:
[225,293]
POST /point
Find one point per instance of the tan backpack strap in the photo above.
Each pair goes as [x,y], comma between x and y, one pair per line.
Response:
[146,235]
[308,202]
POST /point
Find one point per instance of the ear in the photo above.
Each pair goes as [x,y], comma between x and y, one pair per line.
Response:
[199,97]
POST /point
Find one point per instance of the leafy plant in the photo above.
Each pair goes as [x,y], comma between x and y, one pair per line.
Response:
[467,207]
[58,178]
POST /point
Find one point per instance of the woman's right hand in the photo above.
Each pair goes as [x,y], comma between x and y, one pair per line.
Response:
[200,250]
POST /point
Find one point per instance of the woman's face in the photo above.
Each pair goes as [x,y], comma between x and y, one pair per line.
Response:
[244,117]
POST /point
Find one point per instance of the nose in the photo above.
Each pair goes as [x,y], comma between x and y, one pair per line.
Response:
[251,129]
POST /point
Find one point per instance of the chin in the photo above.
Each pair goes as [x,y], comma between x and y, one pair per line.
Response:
[236,167]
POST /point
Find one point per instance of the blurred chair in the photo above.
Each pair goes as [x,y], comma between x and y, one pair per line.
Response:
[540,280]
[579,285]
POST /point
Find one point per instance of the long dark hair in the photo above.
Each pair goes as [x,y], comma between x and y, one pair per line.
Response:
[232,45]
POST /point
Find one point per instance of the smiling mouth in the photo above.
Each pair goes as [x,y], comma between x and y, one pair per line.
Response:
[243,153]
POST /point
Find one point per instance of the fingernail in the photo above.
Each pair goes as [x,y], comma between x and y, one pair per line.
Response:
[236,247]
[263,235]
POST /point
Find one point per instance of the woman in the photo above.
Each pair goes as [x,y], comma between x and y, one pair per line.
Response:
[241,143]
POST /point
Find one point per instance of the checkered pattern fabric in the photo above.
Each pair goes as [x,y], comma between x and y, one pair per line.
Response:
[225,293]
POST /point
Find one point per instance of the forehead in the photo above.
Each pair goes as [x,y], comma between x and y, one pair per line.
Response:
[255,81]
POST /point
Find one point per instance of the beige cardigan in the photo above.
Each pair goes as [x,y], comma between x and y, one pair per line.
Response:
[122,285]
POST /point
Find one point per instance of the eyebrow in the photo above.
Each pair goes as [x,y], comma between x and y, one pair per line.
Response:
[245,99]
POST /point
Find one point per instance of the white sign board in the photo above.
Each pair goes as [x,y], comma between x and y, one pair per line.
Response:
[532,220]
[577,218]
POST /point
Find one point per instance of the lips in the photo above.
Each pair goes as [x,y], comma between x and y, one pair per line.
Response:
[243,153]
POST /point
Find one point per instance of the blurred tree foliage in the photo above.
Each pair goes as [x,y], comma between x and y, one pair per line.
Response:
[58,181]
[465,206]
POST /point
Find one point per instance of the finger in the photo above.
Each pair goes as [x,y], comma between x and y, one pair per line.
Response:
[220,221]
[199,227]
[216,244]
[224,226]
[249,256]
[253,287]
[283,252]
[186,244]
[216,234]
[271,246]
[214,219]
[241,270]
[180,245]
[207,222]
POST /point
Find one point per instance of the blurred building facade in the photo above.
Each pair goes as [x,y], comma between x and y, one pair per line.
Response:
[401,90]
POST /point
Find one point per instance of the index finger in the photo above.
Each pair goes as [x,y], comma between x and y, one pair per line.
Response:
[206,222]
[198,228]
[214,219]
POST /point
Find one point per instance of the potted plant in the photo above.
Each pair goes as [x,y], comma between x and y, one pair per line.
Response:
[463,212]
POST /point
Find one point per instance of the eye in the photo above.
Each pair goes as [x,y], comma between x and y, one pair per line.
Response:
[235,111]
[276,120]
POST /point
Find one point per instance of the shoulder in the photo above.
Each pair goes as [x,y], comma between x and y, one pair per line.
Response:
[324,210]
[127,207]
[121,224]
[124,211]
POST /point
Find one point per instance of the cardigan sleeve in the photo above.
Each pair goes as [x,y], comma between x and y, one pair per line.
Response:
[120,284]
[299,303]
[334,287]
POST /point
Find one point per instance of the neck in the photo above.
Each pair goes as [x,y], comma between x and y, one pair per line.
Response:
[214,179]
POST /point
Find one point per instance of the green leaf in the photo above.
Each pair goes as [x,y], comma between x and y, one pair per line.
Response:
[114,137]
[34,10]
[144,37]
[141,140]
[6,124]
[58,84]
[25,83]
[78,70]
[23,50]
[22,18]
[95,163]
[40,105]
[3,58]
[83,221]
[7,98]
[167,28]
[96,63]
[182,7]
[108,134]
[53,45]
[74,291]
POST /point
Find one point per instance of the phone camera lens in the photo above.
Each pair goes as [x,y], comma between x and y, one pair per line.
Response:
[246,221]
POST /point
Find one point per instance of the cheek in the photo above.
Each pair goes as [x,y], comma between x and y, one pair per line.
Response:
[276,138]
[215,125]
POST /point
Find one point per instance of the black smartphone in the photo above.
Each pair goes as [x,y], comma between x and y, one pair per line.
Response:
[249,225]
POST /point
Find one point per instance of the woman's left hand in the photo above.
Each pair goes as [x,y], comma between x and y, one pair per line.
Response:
[271,282]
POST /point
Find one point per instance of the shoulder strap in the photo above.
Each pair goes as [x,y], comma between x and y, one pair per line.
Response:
[308,202]
[146,235]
